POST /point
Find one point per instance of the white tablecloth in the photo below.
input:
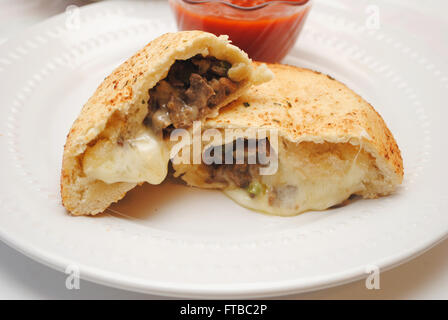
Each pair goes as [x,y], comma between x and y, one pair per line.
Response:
[425,277]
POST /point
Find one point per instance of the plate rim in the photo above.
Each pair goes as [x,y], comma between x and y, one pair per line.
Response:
[212,291]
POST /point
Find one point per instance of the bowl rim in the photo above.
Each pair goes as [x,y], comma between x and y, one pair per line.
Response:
[297,3]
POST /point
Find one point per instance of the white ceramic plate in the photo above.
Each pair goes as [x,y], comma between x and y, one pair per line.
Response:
[176,241]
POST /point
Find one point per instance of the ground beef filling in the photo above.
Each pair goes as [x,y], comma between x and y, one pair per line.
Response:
[237,174]
[191,90]
[246,176]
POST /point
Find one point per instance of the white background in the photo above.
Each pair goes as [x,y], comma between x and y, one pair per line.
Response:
[425,277]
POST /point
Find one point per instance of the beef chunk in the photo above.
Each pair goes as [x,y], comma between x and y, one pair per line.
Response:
[203,65]
[222,88]
[220,92]
[220,67]
[189,92]
[181,114]
[199,92]
[240,175]
[237,174]
[161,94]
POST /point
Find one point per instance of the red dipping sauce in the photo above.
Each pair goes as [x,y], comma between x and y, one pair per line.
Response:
[265,29]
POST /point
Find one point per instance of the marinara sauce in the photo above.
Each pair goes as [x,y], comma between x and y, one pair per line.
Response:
[265,29]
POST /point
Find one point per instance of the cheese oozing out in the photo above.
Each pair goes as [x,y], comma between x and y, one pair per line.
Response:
[310,176]
[143,158]
[298,194]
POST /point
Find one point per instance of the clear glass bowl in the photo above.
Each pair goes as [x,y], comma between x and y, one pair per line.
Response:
[266,30]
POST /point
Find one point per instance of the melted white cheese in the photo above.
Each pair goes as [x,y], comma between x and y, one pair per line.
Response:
[311,187]
[141,159]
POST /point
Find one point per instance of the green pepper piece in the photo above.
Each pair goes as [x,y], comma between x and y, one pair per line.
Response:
[254,189]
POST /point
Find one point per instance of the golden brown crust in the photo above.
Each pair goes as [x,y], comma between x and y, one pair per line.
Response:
[119,105]
[306,105]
